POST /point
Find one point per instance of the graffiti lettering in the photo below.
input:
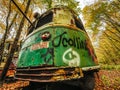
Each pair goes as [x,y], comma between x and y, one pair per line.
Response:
[59,37]
[73,59]
[75,41]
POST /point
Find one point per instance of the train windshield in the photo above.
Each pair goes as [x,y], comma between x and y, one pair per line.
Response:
[42,20]
[47,18]
[61,16]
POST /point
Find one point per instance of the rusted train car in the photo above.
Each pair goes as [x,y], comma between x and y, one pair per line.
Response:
[57,49]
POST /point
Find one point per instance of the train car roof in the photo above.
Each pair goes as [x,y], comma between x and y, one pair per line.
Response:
[58,7]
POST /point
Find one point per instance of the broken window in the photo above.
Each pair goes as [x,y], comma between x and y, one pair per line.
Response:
[78,23]
[42,20]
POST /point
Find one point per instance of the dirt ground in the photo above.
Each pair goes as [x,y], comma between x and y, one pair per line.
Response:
[106,80]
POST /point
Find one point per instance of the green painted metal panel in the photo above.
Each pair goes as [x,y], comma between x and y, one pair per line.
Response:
[57,46]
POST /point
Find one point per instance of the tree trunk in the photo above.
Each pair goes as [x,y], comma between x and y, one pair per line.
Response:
[5,35]
[9,59]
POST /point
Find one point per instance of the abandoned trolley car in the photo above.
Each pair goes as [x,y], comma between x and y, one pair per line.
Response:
[57,49]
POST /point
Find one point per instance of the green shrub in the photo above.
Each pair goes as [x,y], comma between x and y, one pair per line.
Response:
[110,67]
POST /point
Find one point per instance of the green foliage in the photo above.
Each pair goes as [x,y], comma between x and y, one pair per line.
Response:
[103,19]
[110,79]
[105,80]
[110,67]
[47,4]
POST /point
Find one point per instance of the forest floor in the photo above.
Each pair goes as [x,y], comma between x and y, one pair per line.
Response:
[106,80]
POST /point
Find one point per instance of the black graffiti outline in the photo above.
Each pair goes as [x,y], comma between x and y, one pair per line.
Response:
[75,41]
[50,52]
[59,40]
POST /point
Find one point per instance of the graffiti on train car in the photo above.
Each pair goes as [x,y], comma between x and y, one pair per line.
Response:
[75,41]
[49,53]
[74,58]
[69,43]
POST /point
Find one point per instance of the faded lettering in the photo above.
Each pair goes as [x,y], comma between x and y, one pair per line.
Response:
[40,45]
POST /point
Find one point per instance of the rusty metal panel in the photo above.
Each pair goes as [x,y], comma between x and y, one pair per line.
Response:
[49,74]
